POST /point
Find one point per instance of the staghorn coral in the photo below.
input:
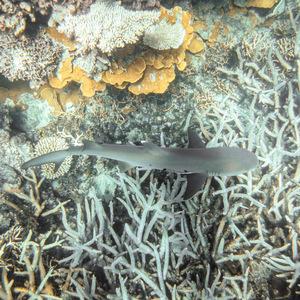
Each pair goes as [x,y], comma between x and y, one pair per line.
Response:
[260,238]
[31,276]
[145,242]
[107,26]
[31,58]
[243,231]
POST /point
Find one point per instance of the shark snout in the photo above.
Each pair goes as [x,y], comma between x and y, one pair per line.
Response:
[244,161]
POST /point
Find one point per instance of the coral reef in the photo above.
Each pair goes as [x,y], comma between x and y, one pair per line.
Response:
[162,36]
[256,3]
[51,144]
[15,15]
[96,233]
[68,73]
[31,58]
[107,26]
[140,4]
[150,71]
[156,69]
[138,244]
[33,273]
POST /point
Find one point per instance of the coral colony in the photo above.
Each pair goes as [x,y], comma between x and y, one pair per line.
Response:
[81,77]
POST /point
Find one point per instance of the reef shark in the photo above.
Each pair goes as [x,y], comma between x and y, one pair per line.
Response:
[196,161]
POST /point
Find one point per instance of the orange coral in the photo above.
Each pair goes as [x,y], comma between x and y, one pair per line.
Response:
[67,73]
[153,72]
[196,45]
[236,8]
[58,98]
[154,81]
[179,54]
[118,75]
[160,70]
[214,33]
[261,3]
[200,24]
[60,37]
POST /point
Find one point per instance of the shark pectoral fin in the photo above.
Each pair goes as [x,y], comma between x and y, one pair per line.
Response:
[194,140]
[195,182]
[124,166]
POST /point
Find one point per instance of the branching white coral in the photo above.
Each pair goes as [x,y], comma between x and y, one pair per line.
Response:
[164,36]
[152,240]
[108,26]
[28,58]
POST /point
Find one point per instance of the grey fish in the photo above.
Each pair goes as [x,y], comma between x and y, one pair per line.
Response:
[196,161]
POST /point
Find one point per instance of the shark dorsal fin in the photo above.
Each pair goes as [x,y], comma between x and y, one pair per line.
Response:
[194,140]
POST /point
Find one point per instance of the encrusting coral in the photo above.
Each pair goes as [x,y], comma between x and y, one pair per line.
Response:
[150,72]
[68,73]
[256,3]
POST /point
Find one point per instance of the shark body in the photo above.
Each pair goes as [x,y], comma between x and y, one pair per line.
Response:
[196,161]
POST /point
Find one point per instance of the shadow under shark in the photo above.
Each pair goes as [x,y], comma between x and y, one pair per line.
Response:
[196,161]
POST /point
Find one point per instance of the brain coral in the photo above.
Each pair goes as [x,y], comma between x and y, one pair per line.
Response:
[28,57]
[108,26]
